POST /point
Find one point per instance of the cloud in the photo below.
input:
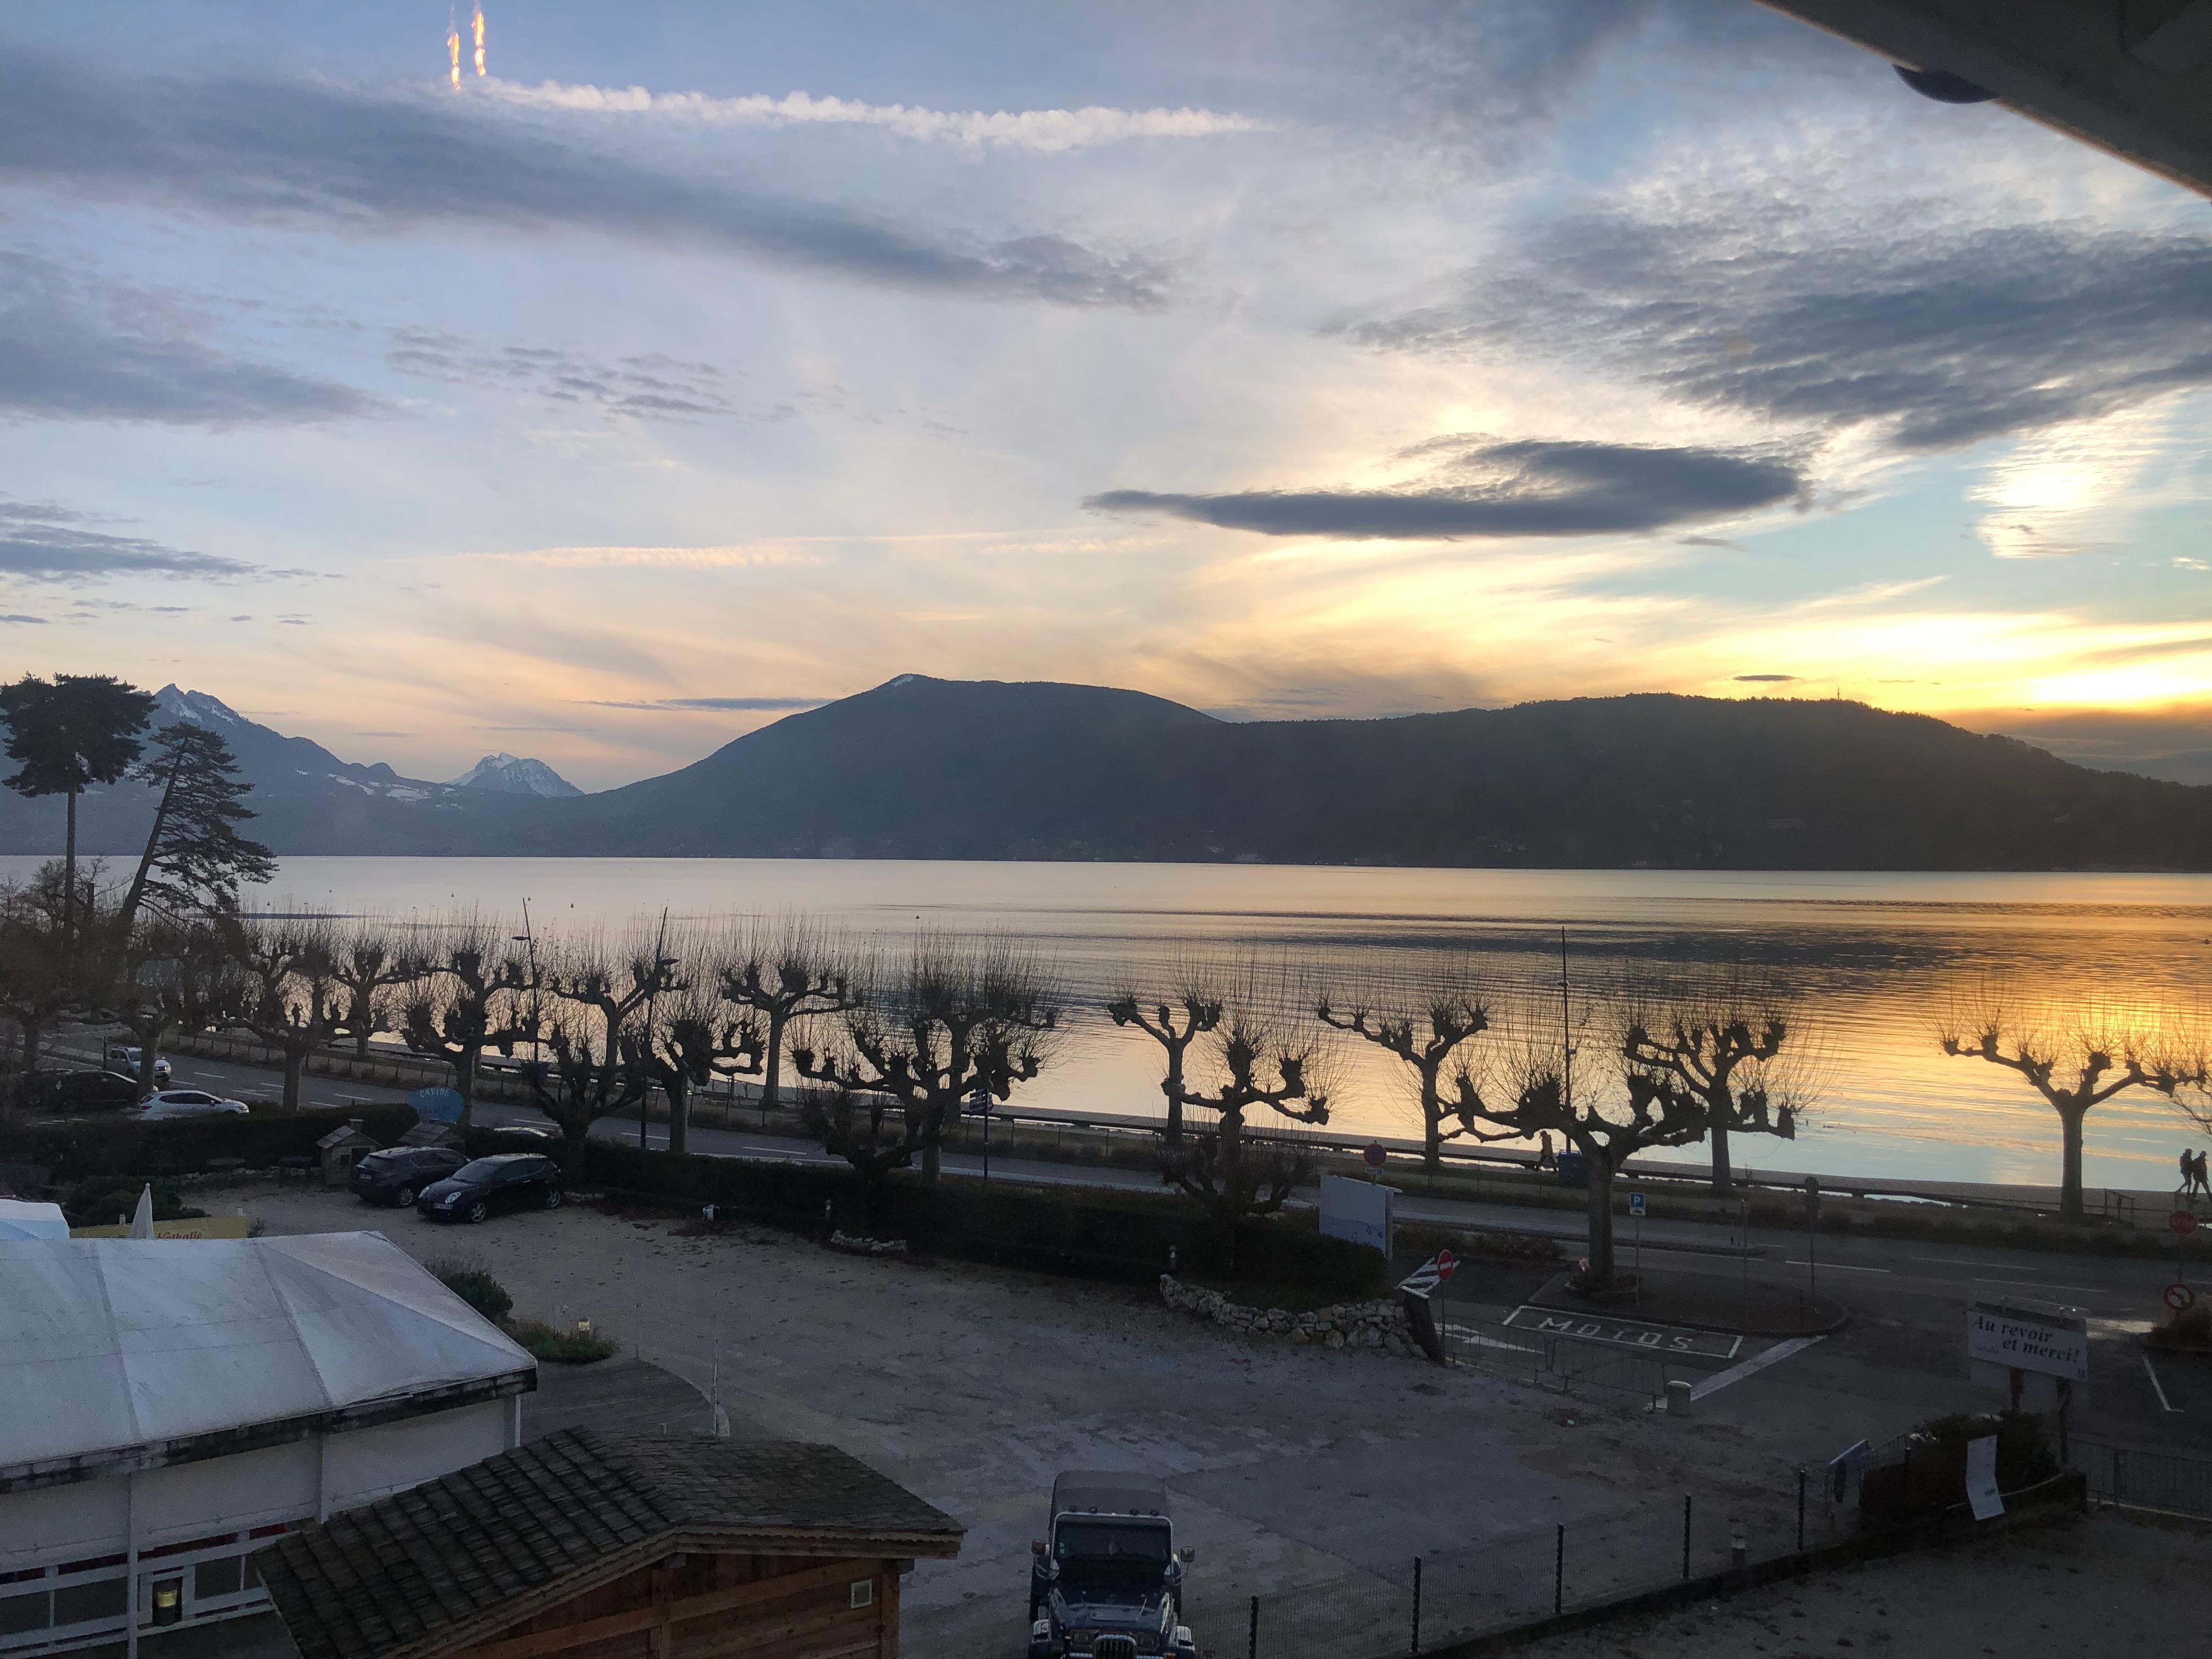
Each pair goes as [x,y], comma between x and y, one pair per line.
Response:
[714,705]
[38,622]
[1529,487]
[1936,339]
[1763,679]
[75,346]
[1051,130]
[46,543]
[652,386]
[293,151]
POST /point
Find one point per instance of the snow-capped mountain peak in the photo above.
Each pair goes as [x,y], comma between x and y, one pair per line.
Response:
[171,703]
[514,775]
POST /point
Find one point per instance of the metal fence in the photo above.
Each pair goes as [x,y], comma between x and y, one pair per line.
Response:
[2144,1480]
[1552,1359]
[1511,1579]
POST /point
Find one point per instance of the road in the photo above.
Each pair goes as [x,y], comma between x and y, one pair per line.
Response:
[1871,1273]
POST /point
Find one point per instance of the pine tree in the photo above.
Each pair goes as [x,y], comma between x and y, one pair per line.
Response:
[75,730]
[195,859]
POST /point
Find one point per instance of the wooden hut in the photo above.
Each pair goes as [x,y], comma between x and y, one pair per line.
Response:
[588,1545]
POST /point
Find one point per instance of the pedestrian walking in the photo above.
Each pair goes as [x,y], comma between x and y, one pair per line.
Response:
[2188,1162]
[2197,1175]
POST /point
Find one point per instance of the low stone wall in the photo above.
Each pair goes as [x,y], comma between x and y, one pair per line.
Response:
[1379,1325]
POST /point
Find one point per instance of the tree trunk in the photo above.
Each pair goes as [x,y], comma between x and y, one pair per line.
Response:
[1228,1165]
[360,1030]
[1432,1123]
[1599,1173]
[146,860]
[149,1054]
[465,1085]
[34,1033]
[931,1159]
[69,895]
[295,1062]
[2070,1177]
[1172,1087]
[1723,1177]
[772,1065]
[679,1090]
[573,1137]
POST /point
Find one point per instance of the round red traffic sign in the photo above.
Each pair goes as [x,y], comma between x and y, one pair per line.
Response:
[1375,1155]
[2183,1222]
[1446,1262]
[2179,1296]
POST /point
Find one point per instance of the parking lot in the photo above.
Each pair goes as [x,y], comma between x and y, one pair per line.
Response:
[975,1387]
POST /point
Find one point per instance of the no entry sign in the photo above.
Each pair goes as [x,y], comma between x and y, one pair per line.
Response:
[2183,1222]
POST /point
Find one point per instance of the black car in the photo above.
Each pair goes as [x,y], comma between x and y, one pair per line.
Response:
[80,1091]
[397,1173]
[505,1180]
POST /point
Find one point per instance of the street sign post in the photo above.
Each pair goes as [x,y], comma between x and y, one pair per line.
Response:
[2183,1223]
[1636,1209]
[1812,1219]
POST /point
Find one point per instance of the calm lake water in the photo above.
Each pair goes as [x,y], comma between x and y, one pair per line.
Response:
[1871,955]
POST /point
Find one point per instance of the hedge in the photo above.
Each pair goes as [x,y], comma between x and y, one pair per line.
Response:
[1109,1235]
[77,1152]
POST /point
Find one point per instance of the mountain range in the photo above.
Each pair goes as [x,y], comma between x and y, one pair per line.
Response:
[928,768]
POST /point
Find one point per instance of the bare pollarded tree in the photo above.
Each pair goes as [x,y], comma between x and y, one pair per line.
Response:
[173,976]
[954,1016]
[791,970]
[593,994]
[1186,1006]
[1259,1057]
[473,995]
[1427,1026]
[1735,1039]
[371,960]
[2075,1060]
[688,1033]
[292,1000]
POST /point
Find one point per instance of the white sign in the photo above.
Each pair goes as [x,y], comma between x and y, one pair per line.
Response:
[1982,1478]
[1356,1209]
[2053,1344]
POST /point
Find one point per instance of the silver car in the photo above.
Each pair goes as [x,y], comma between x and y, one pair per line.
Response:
[122,1057]
[186,1103]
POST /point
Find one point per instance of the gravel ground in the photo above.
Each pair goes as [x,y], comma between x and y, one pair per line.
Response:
[973,1387]
[2094,1585]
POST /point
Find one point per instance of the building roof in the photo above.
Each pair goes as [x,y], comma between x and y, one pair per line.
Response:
[450,1563]
[20,1218]
[118,1352]
[343,1135]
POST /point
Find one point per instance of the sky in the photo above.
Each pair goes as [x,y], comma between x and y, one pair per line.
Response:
[696,363]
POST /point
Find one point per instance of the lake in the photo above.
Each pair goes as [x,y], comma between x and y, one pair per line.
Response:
[1871,955]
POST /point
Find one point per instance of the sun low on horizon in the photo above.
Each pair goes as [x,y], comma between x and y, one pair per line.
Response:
[597,385]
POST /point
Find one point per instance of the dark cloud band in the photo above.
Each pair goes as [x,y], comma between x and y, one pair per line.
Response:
[1936,340]
[278,150]
[715,705]
[77,347]
[44,543]
[1525,489]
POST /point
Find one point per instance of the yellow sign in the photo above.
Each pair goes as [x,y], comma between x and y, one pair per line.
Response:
[206,1226]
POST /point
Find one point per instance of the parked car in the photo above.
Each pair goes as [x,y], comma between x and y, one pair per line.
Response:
[505,1180]
[395,1175]
[186,1103]
[57,1091]
[123,1057]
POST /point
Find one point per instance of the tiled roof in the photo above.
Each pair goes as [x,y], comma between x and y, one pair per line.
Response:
[380,1579]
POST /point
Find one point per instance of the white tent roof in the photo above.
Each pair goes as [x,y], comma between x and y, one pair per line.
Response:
[20,1218]
[111,1343]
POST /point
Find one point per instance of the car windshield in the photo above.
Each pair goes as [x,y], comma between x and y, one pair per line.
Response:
[484,1168]
[1113,1543]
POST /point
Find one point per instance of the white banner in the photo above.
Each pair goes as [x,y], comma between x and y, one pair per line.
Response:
[1982,1478]
[2053,1344]
[1356,1209]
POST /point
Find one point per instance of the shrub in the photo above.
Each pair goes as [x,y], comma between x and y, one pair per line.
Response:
[2189,1329]
[1930,1476]
[475,1286]
[77,1152]
[97,1202]
[560,1348]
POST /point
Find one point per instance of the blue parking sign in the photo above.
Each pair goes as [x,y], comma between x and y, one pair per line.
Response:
[1636,1204]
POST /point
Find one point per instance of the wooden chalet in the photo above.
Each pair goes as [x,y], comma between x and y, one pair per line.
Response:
[589,1545]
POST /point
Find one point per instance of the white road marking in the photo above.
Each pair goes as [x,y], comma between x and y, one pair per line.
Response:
[1839,1266]
[1758,1361]
[2151,1370]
